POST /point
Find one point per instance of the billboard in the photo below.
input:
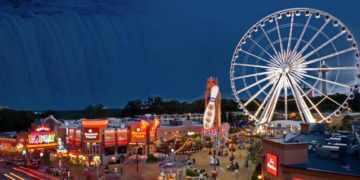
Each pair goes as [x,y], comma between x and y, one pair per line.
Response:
[272,164]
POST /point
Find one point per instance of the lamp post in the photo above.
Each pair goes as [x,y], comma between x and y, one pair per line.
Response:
[97,170]
[172,153]
[137,153]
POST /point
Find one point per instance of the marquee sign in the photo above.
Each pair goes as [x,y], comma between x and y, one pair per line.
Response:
[272,164]
[91,133]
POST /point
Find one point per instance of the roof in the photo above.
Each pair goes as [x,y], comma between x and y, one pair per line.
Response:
[349,165]
[319,137]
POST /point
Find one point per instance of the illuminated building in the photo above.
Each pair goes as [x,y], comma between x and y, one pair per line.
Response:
[94,139]
[142,136]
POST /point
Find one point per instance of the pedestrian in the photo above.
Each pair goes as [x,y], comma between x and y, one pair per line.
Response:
[121,170]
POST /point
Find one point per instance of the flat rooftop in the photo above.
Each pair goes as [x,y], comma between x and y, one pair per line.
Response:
[349,165]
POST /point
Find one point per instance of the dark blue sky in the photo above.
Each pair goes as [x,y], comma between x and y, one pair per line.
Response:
[66,58]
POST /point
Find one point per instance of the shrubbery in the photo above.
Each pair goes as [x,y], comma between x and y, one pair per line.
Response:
[151,158]
[191,173]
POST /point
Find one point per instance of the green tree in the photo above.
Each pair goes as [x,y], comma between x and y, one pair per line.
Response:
[154,105]
[345,123]
[255,152]
[133,107]
[12,120]
[95,111]
[171,107]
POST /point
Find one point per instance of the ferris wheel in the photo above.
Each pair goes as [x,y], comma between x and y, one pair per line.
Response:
[298,63]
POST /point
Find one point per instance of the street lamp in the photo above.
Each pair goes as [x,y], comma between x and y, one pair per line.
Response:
[137,153]
[172,153]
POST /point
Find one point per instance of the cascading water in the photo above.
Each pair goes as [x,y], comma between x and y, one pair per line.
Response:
[68,53]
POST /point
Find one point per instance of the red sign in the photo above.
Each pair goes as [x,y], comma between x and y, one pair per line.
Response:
[272,164]
[91,133]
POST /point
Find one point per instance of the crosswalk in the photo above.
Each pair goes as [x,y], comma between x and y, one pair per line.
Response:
[13,176]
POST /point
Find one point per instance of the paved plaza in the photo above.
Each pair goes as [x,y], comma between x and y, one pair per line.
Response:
[203,162]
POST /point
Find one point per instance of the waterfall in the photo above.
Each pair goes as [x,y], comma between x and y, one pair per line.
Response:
[64,57]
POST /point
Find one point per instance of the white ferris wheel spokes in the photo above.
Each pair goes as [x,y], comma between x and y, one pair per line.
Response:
[296,62]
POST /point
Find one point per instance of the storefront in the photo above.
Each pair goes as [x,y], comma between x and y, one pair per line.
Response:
[209,135]
[41,139]
[142,137]
[95,142]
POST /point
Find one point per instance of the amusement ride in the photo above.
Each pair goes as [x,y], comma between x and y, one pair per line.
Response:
[295,61]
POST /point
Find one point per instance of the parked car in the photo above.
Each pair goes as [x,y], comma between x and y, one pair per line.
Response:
[2,160]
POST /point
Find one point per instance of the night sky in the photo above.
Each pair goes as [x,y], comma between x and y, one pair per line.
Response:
[70,57]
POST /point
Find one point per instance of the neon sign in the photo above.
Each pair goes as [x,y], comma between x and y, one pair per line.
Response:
[42,128]
[272,164]
[91,133]
[138,135]
[41,138]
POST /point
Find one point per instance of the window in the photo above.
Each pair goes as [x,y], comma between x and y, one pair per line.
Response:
[109,151]
[122,149]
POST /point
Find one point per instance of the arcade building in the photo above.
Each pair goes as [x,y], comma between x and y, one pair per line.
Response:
[44,136]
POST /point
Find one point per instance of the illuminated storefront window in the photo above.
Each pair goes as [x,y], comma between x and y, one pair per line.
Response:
[109,137]
[93,148]
[122,136]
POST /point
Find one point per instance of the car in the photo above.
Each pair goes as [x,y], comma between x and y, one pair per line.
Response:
[2,160]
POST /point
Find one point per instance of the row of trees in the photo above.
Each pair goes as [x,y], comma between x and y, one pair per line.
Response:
[156,105]
[12,120]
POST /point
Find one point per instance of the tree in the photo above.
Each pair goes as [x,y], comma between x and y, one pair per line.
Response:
[133,107]
[171,107]
[12,120]
[47,113]
[154,105]
[345,123]
[255,152]
[97,111]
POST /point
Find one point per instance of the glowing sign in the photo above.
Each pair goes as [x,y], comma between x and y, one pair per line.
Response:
[41,138]
[42,128]
[143,125]
[138,134]
[272,164]
[91,133]
[155,123]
